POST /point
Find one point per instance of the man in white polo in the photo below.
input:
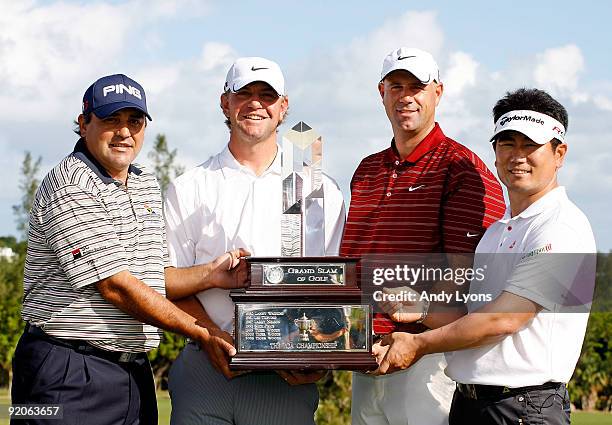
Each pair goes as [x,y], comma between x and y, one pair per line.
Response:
[234,199]
[512,357]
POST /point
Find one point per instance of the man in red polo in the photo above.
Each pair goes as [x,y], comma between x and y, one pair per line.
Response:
[425,193]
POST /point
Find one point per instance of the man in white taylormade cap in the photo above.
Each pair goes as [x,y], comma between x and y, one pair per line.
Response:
[234,199]
[425,193]
[512,360]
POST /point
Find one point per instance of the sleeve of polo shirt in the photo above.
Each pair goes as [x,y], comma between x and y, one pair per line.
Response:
[181,247]
[471,203]
[80,231]
[335,217]
[551,274]
[166,255]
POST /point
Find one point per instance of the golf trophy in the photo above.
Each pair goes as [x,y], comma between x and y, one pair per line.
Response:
[302,310]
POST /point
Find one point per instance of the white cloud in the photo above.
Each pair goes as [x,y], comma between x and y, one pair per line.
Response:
[558,69]
[49,53]
[461,74]
[335,89]
[603,102]
[216,55]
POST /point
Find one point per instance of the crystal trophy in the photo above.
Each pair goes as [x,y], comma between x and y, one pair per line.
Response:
[302,310]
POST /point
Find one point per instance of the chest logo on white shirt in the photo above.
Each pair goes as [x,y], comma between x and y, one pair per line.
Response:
[413,188]
[543,249]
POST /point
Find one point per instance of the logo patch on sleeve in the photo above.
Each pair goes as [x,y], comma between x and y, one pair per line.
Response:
[149,209]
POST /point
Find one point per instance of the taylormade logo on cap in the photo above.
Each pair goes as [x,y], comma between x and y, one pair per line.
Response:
[507,119]
[250,69]
[112,93]
[539,127]
[418,62]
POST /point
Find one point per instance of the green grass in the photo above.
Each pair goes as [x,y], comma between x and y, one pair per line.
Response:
[590,418]
[163,405]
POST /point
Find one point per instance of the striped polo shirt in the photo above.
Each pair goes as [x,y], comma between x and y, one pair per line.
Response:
[84,227]
[441,198]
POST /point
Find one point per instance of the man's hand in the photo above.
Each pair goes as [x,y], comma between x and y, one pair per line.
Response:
[219,347]
[294,377]
[402,311]
[229,271]
[396,351]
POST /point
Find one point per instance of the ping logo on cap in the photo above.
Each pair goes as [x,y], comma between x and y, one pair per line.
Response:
[120,88]
[112,93]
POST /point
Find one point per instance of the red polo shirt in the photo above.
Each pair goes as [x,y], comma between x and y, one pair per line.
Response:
[440,198]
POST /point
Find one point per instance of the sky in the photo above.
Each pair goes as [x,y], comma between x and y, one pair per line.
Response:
[331,54]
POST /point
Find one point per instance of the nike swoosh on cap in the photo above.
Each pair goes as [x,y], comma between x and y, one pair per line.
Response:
[401,58]
[257,69]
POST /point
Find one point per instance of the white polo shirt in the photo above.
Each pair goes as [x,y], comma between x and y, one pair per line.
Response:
[222,205]
[545,254]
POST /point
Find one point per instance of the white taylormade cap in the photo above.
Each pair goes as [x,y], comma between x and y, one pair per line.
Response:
[538,127]
[418,62]
[247,70]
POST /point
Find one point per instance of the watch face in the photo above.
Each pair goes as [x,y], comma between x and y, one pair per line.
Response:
[275,275]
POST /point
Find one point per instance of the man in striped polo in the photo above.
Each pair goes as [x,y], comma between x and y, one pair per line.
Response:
[97,272]
[425,193]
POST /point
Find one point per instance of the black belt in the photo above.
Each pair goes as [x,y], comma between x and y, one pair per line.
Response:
[488,392]
[84,347]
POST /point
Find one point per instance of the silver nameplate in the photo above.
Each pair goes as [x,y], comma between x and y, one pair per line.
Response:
[283,327]
[303,274]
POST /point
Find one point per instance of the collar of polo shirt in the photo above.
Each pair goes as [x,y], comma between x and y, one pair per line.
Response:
[81,152]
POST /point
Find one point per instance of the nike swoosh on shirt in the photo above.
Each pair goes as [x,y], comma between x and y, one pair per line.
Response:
[471,235]
[411,188]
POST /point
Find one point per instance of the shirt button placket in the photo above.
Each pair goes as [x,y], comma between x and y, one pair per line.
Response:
[391,182]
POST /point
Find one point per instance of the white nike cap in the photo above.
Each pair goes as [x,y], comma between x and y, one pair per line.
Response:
[539,127]
[418,62]
[247,70]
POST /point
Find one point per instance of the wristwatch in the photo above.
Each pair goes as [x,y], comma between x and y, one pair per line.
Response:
[424,310]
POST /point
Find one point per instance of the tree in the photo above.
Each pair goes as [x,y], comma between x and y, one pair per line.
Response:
[163,163]
[591,386]
[171,344]
[162,357]
[11,325]
[27,186]
[335,398]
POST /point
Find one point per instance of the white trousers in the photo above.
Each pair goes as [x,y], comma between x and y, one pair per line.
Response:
[420,395]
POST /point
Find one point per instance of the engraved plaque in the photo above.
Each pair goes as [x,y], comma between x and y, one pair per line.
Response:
[282,327]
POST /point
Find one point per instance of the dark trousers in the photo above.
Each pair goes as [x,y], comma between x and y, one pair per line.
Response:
[91,390]
[543,407]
